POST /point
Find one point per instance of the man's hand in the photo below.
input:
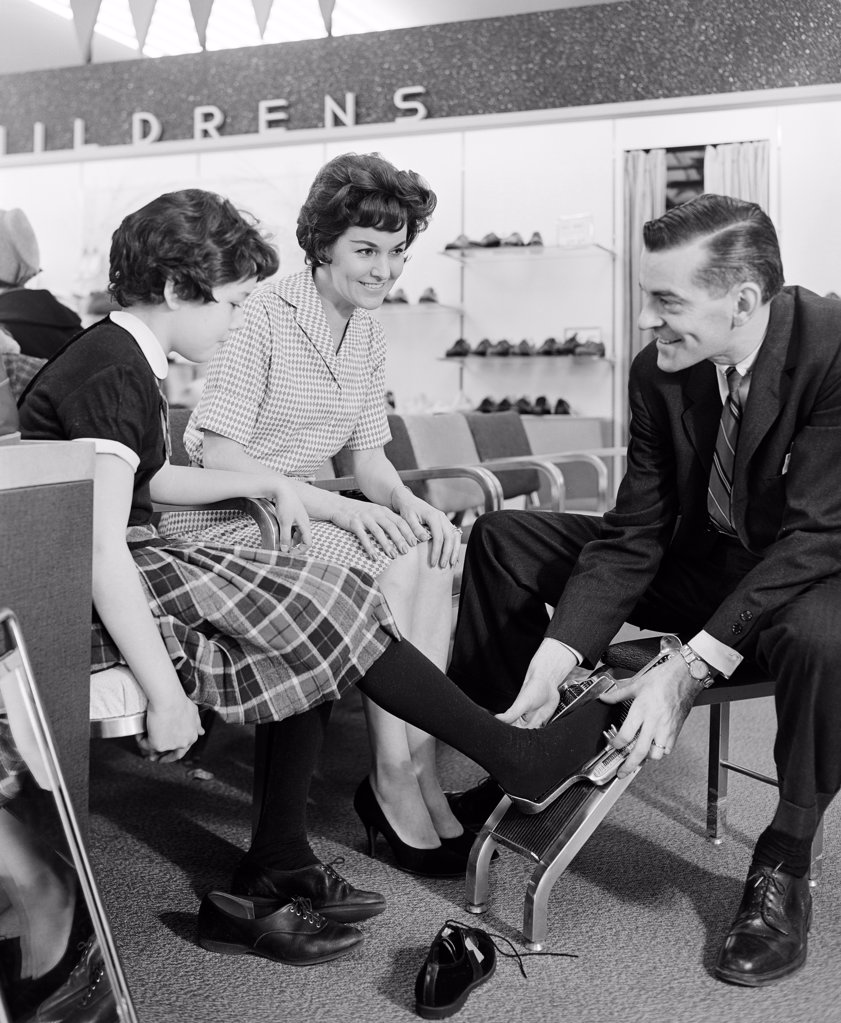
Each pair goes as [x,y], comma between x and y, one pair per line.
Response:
[662,698]
[538,697]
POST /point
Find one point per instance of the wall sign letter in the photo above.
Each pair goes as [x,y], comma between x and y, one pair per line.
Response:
[403,101]
[144,122]
[271,113]
[206,122]
[332,110]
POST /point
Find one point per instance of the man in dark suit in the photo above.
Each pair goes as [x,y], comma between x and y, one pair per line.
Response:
[726,531]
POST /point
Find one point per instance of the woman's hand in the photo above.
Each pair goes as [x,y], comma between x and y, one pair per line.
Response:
[171,729]
[292,517]
[368,521]
[662,698]
[427,523]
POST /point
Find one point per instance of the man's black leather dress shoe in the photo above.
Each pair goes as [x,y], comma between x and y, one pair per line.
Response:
[767,940]
[330,894]
[459,960]
[287,932]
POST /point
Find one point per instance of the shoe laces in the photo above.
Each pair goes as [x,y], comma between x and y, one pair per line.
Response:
[514,952]
[303,907]
[762,881]
[339,860]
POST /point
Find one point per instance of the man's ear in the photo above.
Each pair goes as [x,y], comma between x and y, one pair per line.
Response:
[748,299]
[172,299]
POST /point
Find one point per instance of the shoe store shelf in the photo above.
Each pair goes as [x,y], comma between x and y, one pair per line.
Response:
[419,308]
[513,360]
[480,252]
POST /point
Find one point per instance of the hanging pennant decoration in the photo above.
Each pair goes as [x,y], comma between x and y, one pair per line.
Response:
[141,16]
[327,7]
[85,13]
[201,16]
[262,10]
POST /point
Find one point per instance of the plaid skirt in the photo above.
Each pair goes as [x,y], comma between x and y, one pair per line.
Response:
[258,635]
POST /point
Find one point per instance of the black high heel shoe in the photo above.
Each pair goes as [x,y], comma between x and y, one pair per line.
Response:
[442,861]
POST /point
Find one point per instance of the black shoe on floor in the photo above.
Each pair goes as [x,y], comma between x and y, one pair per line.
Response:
[472,807]
[459,960]
[288,932]
[330,894]
[768,939]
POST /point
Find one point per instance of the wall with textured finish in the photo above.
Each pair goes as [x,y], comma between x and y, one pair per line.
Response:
[641,49]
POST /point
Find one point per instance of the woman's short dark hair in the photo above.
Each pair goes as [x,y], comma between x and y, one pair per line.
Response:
[739,237]
[361,190]
[196,239]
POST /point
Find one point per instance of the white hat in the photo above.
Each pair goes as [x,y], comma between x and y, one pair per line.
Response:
[19,256]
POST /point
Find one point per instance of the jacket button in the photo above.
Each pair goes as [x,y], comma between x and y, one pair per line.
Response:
[746,616]
[736,628]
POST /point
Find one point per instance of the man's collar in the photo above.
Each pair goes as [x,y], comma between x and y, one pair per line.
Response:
[146,340]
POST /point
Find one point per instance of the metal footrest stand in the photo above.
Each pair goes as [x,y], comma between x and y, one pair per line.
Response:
[551,838]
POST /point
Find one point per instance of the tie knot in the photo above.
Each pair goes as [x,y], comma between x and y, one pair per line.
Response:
[734,378]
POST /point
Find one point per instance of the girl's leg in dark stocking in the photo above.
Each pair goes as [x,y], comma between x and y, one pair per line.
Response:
[525,762]
[293,746]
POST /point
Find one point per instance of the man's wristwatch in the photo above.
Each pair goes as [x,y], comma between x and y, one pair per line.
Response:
[698,669]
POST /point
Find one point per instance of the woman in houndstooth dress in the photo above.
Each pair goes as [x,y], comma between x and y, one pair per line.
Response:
[300,380]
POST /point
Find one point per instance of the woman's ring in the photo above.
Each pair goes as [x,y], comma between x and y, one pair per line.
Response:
[657,744]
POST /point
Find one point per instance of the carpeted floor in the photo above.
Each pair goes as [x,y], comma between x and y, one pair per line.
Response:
[644,906]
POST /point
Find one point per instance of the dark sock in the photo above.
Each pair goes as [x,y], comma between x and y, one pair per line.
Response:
[525,762]
[776,849]
[293,749]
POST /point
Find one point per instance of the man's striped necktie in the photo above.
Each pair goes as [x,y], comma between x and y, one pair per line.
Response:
[719,491]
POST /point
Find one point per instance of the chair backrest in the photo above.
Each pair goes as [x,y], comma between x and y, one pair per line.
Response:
[424,441]
[502,435]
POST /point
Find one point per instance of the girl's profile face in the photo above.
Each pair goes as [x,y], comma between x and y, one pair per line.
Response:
[203,326]
[364,264]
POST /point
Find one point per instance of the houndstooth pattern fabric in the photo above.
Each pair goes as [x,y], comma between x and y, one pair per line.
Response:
[258,635]
[279,388]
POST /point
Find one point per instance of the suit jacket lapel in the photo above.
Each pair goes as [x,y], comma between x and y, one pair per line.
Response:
[702,411]
[769,382]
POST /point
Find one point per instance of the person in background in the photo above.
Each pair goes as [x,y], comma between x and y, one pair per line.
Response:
[726,531]
[304,377]
[34,317]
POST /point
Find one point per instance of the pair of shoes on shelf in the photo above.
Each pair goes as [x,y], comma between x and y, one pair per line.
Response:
[486,405]
[490,241]
[289,932]
[767,940]
[446,860]
[483,348]
[459,960]
[562,407]
[594,349]
[524,348]
[501,348]
[329,893]
[569,346]
[549,347]
[457,349]
[428,295]
[536,240]
[399,296]
[541,406]
[516,239]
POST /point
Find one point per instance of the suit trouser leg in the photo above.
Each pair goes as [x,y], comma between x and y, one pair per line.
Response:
[801,649]
[516,564]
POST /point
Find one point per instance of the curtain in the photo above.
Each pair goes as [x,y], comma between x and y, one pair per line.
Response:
[739,169]
[645,199]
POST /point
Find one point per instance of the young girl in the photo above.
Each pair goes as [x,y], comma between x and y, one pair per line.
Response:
[260,636]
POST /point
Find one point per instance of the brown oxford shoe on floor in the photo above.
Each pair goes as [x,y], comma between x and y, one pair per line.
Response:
[767,940]
[286,932]
[330,894]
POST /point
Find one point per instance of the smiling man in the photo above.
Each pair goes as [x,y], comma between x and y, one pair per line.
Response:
[726,531]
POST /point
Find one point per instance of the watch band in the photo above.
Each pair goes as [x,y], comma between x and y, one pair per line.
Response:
[698,668]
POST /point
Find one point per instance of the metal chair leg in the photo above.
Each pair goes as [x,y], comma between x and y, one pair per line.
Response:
[717,773]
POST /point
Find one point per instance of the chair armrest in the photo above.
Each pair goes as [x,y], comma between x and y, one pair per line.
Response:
[487,482]
[543,464]
[595,457]
[260,509]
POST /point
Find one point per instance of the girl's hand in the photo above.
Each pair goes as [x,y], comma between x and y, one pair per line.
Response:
[427,522]
[171,729]
[367,520]
[292,517]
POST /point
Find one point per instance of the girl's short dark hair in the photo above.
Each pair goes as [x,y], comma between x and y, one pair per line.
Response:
[196,239]
[739,237]
[361,190]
